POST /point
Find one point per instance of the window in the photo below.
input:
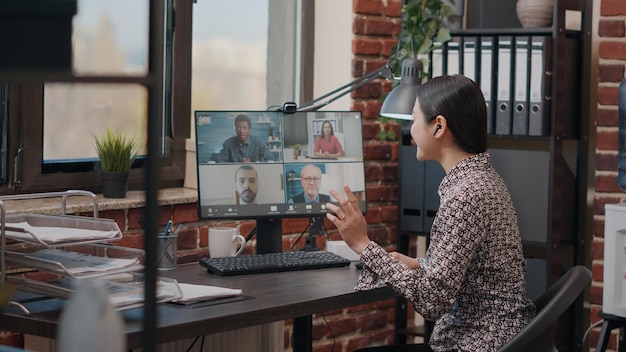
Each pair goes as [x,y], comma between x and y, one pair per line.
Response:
[249,54]
[52,125]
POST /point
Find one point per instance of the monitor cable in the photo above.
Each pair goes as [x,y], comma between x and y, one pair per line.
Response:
[316,228]
[250,235]
[299,237]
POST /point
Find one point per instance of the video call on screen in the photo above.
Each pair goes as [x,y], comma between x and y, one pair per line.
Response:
[268,164]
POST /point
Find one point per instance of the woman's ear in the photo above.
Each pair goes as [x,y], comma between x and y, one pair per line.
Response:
[441,125]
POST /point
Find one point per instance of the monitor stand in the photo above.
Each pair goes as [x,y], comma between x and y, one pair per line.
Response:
[269,236]
[315,229]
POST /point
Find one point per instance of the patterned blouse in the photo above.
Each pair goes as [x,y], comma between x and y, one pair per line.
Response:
[471,281]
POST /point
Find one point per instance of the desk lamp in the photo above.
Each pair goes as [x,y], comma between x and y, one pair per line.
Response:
[399,102]
[398,105]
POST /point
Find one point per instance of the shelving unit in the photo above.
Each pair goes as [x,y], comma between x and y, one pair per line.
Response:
[71,247]
[545,173]
[153,81]
[275,147]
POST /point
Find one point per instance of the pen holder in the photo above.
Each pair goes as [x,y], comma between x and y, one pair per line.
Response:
[166,253]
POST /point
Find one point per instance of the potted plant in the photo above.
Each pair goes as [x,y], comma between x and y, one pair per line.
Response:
[423,30]
[117,153]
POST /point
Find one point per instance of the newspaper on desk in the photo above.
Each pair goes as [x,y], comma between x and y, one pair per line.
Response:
[122,295]
[131,295]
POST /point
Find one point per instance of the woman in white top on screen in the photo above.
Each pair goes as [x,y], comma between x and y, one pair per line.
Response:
[471,281]
[327,145]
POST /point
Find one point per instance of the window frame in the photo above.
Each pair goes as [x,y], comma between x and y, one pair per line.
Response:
[25,133]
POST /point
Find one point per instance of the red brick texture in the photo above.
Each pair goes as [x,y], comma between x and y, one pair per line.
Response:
[611,70]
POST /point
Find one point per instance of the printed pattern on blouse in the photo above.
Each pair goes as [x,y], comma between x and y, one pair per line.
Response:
[471,281]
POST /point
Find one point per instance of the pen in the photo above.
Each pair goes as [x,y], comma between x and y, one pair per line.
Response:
[141,223]
[167,228]
[162,247]
[180,227]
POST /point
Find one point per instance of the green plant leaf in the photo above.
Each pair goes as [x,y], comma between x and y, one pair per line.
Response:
[116,151]
[443,35]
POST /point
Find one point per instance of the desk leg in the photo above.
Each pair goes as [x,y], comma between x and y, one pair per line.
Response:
[303,334]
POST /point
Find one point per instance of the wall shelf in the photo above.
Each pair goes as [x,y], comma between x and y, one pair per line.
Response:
[541,172]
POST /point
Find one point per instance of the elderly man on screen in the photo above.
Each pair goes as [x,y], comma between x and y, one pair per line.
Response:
[311,180]
[244,147]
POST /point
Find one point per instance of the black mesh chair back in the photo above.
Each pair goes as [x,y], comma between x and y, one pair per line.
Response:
[537,336]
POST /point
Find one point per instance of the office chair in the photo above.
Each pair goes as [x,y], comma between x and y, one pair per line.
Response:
[537,335]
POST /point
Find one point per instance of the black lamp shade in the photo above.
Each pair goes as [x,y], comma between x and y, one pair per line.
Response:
[400,101]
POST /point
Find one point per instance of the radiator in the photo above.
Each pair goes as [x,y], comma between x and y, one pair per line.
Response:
[261,338]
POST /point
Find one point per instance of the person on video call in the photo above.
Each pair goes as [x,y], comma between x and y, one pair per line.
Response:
[244,147]
[471,281]
[327,145]
[247,183]
[311,180]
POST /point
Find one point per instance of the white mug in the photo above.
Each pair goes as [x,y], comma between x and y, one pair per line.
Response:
[223,242]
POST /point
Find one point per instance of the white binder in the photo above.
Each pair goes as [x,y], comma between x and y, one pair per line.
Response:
[520,107]
[485,79]
[538,121]
[503,103]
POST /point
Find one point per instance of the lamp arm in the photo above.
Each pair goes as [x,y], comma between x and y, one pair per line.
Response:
[383,71]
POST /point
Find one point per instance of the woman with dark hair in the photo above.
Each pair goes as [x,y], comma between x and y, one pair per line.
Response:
[327,145]
[471,281]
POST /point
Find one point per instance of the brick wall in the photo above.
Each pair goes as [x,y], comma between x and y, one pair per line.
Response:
[611,69]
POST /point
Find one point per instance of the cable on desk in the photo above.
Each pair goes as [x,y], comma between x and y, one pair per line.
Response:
[299,237]
[251,234]
[194,342]
[599,322]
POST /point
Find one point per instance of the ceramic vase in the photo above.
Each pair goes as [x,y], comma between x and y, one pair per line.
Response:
[456,21]
[535,13]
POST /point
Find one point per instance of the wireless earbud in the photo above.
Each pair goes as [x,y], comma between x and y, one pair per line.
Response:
[437,130]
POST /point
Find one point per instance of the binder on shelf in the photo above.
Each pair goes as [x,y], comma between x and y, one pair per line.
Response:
[538,112]
[503,102]
[469,58]
[520,106]
[485,74]
[453,64]
[436,62]
[445,60]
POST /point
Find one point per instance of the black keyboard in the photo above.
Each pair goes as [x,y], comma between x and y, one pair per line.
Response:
[272,262]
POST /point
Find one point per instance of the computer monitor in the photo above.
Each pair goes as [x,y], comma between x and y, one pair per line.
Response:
[268,165]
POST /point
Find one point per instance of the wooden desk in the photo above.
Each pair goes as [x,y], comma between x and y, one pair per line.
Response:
[275,297]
